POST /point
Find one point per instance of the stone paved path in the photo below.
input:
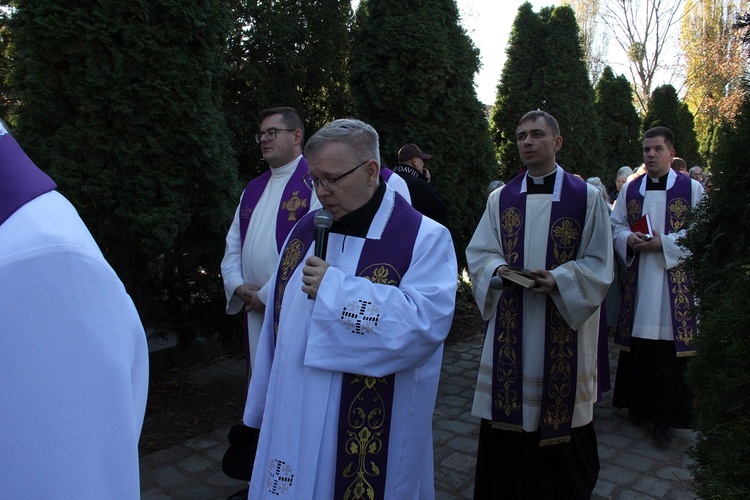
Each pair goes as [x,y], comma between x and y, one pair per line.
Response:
[633,466]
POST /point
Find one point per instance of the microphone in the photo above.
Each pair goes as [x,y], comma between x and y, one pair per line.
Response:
[323,222]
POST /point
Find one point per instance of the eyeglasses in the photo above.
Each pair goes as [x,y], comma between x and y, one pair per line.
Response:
[330,184]
[270,134]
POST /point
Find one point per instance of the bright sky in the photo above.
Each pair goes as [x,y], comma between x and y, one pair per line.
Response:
[488,23]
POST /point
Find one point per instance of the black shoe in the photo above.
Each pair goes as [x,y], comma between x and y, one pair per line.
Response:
[240,495]
[661,433]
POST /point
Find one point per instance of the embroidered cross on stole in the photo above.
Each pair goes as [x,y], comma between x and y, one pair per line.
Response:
[679,280]
[366,402]
[292,207]
[567,220]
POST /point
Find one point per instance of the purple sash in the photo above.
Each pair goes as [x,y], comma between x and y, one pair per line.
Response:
[386,172]
[20,180]
[293,205]
[567,219]
[366,402]
[680,284]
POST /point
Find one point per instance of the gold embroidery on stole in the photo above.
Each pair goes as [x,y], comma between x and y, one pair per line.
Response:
[364,436]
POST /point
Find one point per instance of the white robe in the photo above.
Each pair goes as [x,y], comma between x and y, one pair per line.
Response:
[399,185]
[74,369]
[581,287]
[254,262]
[653,318]
[295,390]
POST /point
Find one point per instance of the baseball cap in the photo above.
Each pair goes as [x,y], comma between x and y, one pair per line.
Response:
[409,151]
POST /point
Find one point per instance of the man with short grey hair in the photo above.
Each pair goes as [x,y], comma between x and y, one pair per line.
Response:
[352,341]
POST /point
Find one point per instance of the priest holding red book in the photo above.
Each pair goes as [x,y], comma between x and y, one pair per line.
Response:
[656,329]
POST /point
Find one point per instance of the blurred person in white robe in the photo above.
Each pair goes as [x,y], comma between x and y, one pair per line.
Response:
[74,370]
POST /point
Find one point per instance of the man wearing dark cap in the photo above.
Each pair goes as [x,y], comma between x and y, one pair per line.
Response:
[424,197]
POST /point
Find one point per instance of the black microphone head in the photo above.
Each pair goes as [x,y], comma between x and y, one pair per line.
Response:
[323,219]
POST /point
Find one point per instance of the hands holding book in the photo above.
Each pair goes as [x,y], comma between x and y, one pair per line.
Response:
[538,281]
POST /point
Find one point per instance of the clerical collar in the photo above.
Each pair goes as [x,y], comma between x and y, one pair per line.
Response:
[658,184]
[357,223]
[541,185]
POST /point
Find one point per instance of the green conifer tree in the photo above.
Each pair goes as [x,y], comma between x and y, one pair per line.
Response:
[412,79]
[620,125]
[666,109]
[545,70]
[120,103]
[719,374]
[286,53]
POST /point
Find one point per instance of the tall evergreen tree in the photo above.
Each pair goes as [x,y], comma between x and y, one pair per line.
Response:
[719,374]
[286,53]
[545,69]
[5,93]
[620,125]
[120,103]
[413,80]
[666,109]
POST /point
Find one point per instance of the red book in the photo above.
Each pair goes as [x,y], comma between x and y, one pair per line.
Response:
[643,225]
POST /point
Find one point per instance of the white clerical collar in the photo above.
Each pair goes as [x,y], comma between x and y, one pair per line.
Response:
[540,180]
[287,169]
[671,177]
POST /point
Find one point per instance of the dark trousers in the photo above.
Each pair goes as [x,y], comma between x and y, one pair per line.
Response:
[512,465]
[650,383]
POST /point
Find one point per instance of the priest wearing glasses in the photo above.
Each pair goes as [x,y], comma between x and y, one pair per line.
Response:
[270,206]
[351,347]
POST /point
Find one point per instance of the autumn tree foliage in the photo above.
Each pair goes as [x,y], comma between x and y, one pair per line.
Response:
[716,63]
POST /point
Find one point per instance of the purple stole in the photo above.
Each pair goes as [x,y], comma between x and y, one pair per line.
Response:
[292,208]
[20,180]
[385,172]
[366,402]
[680,283]
[567,219]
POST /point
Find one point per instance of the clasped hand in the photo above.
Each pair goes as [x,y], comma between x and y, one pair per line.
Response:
[249,295]
[638,242]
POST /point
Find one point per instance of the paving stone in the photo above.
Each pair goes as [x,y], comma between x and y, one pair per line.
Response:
[634,462]
[652,486]
[633,466]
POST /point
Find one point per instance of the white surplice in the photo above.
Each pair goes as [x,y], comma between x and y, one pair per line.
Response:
[653,317]
[581,287]
[74,369]
[295,390]
[255,262]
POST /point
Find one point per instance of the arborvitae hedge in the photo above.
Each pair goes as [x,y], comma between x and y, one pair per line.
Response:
[412,78]
[666,109]
[545,70]
[121,103]
[619,122]
[720,372]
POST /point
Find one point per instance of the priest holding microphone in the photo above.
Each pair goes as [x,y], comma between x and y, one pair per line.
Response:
[345,384]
